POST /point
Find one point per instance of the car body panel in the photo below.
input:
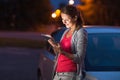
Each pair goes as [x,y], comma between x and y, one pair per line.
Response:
[19,55]
[114,75]
[46,64]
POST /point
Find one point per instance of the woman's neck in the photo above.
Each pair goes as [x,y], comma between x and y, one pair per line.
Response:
[72,29]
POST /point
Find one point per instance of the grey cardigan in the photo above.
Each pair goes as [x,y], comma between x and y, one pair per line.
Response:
[79,43]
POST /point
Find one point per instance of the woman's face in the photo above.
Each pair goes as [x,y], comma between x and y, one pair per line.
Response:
[67,20]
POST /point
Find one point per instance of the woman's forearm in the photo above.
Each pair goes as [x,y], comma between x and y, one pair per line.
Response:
[69,55]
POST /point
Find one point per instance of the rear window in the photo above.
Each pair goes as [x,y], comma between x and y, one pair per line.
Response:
[103,52]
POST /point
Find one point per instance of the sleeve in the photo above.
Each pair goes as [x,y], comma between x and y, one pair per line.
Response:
[80,46]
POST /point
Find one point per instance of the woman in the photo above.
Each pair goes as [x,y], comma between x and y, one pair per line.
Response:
[72,47]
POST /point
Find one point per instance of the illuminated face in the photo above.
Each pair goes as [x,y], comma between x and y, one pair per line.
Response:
[67,20]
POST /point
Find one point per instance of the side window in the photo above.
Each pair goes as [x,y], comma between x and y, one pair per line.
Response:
[117,42]
[103,50]
[58,34]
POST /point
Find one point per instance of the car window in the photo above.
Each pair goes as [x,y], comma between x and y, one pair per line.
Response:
[58,34]
[103,52]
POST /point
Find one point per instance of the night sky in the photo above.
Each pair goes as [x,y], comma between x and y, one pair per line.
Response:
[56,3]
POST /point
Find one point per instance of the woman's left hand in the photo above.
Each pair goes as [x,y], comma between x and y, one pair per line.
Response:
[60,51]
[57,48]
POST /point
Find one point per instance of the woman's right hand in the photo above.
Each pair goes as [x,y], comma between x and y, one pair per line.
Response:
[52,43]
[55,46]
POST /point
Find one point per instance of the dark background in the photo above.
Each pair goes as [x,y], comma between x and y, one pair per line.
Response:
[26,15]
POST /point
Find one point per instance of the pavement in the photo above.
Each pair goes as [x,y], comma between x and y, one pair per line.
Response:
[19,63]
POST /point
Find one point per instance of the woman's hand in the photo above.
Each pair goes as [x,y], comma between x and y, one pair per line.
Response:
[56,46]
[57,49]
[52,43]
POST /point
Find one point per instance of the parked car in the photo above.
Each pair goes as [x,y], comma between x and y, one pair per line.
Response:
[19,55]
[102,61]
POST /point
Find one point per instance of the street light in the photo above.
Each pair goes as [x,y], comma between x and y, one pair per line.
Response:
[56,13]
[53,15]
[71,2]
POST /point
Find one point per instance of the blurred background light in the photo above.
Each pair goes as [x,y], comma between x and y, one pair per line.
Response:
[71,2]
[57,12]
[53,15]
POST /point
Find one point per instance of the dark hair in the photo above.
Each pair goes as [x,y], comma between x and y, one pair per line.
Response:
[73,12]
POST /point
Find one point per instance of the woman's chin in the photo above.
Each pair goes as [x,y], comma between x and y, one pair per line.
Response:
[67,27]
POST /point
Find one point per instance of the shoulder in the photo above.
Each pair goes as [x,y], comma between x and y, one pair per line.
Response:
[81,31]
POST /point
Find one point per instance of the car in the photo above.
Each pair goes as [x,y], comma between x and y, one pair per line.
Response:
[19,55]
[102,60]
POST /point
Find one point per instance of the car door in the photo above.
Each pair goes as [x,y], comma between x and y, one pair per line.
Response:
[103,56]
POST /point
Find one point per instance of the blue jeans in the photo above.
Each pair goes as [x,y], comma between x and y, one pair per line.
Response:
[65,76]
